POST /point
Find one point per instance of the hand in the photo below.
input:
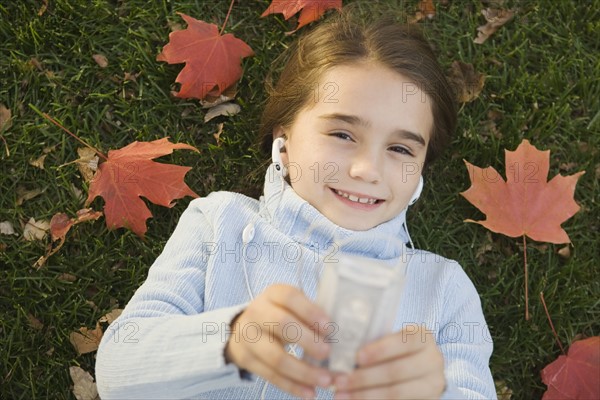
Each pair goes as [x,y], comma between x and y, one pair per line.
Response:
[281,313]
[402,365]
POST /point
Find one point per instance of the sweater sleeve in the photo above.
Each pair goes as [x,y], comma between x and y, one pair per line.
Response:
[164,345]
[465,341]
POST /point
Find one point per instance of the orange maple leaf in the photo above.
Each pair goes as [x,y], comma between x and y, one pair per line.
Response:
[526,203]
[311,10]
[129,173]
[212,62]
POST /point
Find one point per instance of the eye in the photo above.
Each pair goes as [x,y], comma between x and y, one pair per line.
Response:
[342,135]
[401,150]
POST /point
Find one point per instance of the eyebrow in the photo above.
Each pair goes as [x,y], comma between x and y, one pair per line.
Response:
[356,120]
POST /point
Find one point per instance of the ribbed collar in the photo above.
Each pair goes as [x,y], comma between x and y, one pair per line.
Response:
[296,218]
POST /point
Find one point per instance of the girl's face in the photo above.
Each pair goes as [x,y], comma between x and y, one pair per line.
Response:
[356,151]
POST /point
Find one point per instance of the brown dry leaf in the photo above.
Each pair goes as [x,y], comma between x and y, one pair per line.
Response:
[131,77]
[23,194]
[565,252]
[34,322]
[65,277]
[5,117]
[111,316]
[50,351]
[101,60]
[35,230]
[503,391]
[467,83]
[38,162]
[43,8]
[60,224]
[217,135]
[87,163]
[6,228]
[84,387]
[222,109]
[86,340]
[496,18]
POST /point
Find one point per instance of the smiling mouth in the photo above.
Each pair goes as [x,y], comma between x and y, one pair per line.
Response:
[356,199]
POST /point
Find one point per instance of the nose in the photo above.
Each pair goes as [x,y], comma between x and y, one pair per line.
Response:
[365,166]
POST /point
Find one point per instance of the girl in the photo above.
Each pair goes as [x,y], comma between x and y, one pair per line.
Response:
[357,111]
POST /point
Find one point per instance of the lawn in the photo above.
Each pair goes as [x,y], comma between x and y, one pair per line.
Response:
[542,84]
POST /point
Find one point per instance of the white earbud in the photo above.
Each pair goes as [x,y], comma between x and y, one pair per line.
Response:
[278,144]
[248,233]
[417,192]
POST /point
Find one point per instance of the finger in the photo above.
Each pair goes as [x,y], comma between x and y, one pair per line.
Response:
[278,324]
[286,384]
[410,340]
[294,300]
[412,367]
[274,356]
[425,388]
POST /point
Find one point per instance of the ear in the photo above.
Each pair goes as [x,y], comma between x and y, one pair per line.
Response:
[278,132]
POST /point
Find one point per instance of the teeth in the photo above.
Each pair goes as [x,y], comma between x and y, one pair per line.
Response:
[355,198]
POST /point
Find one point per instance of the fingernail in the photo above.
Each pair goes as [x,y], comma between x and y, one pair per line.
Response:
[324,380]
[308,394]
[362,357]
[341,382]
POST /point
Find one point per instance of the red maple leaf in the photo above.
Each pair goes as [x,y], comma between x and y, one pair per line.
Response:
[576,375]
[212,62]
[312,10]
[524,204]
[130,173]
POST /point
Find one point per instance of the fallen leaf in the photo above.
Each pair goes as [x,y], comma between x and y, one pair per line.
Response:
[35,230]
[23,194]
[6,228]
[84,387]
[467,83]
[5,118]
[227,109]
[564,252]
[60,224]
[212,62]
[65,277]
[496,18]
[503,391]
[524,204]
[111,316]
[101,60]
[131,77]
[43,8]
[86,340]
[426,10]
[216,101]
[130,173]
[50,351]
[310,10]
[34,322]
[575,375]
[87,163]
[217,135]
[38,162]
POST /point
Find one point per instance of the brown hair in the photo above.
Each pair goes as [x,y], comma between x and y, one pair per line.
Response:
[345,39]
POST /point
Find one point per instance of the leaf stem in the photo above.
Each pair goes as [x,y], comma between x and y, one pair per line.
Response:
[551,324]
[49,118]
[526,280]
[227,17]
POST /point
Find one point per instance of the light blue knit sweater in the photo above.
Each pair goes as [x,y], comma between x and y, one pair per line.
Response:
[169,342]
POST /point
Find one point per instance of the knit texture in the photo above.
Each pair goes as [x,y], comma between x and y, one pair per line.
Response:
[169,341]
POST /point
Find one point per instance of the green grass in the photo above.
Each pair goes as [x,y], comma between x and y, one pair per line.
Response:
[542,75]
